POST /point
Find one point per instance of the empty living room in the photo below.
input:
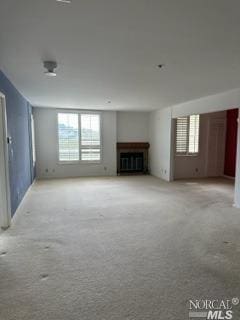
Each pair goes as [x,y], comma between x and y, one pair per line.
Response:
[119,159]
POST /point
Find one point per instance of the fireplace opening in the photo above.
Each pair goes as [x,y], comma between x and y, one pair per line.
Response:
[131,162]
[132,157]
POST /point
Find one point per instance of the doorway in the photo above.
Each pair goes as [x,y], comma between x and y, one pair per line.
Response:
[5,207]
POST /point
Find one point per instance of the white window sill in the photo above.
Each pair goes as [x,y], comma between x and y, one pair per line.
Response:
[187,155]
[77,162]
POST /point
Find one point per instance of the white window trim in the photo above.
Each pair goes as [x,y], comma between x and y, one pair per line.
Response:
[5,201]
[33,140]
[187,153]
[82,162]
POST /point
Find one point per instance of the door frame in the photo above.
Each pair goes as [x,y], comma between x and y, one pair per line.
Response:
[5,204]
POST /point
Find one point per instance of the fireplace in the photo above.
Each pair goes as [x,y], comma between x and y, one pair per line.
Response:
[132,157]
[131,162]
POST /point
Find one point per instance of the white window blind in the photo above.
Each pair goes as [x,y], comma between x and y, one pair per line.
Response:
[68,136]
[187,135]
[90,137]
[193,145]
[79,136]
[182,135]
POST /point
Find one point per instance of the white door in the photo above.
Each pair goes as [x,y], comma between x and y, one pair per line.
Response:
[5,210]
[216,147]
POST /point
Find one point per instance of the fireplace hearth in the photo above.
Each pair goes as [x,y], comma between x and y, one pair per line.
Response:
[132,157]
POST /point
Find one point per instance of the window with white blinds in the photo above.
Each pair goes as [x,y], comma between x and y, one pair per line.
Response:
[182,135]
[68,137]
[193,143]
[90,137]
[187,135]
[79,137]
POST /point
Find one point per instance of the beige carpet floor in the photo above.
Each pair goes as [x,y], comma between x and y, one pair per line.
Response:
[133,248]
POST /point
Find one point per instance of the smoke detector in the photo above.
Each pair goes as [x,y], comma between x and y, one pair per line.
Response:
[50,66]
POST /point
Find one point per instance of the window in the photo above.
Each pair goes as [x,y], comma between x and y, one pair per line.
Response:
[187,135]
[79,137]
[33,141]
[90,137]
[68,136]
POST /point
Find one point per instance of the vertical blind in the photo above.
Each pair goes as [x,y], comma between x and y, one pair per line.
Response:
[79,137]
[187,135]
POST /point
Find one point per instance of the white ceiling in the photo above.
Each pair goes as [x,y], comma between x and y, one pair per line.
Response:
[110,49]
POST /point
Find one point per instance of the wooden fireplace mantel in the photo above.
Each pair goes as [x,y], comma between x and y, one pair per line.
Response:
[133,145]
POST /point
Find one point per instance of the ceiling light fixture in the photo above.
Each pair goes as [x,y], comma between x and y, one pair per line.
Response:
[65,1]
[50,66]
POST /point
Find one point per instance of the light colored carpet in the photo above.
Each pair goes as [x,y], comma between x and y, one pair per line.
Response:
[119,248]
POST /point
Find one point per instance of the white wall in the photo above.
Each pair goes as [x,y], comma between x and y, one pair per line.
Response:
[218,102]
[214,103]
[160,130]
[197,166]
[161,133]
[237,178]
[47,165]
[132,126]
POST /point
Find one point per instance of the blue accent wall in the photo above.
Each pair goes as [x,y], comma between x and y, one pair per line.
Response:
[20,150]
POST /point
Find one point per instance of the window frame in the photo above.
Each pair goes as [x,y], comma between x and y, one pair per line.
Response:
[187,153]
[33,140]
[79,161]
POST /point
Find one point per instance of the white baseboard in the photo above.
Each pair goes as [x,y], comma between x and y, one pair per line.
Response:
[23,199]
[228,177]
